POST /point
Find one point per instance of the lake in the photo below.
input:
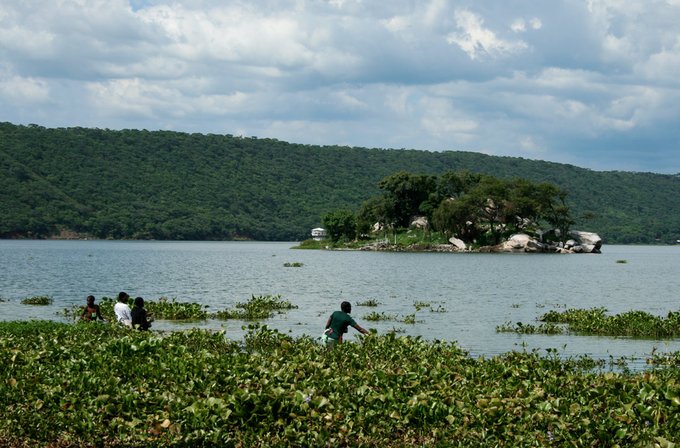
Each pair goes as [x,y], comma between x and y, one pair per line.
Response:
[473,293]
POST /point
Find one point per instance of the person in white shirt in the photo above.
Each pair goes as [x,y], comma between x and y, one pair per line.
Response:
[122,310]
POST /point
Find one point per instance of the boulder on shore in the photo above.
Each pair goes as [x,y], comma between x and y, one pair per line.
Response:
[457,243]
[584,242]
[521,242]
[581,242]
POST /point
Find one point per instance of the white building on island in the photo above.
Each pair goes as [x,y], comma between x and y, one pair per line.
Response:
[318,233]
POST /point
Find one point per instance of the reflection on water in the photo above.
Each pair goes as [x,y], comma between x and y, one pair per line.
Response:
[477,291]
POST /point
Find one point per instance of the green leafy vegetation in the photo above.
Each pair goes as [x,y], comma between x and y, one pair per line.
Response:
[409,319]
[170,185]
[37,300]
[595,321]
[171,309]
[295,264]
[420,304]
[519,327]
[374,316]
[163,308]
[100,385]
[258,307]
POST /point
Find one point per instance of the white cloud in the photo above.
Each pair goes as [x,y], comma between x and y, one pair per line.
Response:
[521,25]
[397,100]
[25,92]
[397,24]
[663,66]
[442,121]
[477,41]
[529,146]
[542,79]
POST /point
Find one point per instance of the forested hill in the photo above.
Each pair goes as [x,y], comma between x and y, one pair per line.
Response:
[172,185]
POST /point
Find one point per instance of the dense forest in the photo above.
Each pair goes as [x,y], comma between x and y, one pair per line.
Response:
[171,185]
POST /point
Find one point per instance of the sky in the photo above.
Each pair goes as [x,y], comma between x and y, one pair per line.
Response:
[592,83]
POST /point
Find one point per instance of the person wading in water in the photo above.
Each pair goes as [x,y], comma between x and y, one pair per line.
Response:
[337,325]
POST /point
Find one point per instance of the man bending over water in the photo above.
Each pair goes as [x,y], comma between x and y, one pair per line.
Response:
[338,323]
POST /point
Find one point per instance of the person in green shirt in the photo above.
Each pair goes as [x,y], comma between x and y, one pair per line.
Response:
[338,323]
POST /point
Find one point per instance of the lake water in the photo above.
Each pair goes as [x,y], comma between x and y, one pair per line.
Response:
[477,291]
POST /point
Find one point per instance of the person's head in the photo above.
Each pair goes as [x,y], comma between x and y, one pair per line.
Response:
[346,307]
[90,300]
[139,302]
[123,296]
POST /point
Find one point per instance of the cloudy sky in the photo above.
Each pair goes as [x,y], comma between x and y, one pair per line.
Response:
[594,83]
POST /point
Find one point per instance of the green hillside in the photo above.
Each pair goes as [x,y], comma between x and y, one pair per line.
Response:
[172,185]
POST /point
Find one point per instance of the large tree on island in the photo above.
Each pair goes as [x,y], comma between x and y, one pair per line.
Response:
[406,192]
[474,207]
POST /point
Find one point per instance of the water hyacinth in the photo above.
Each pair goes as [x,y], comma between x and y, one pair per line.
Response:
[163,308]
[258,307]
[375,316]
[171,309]
[595,321]
[295,264]
[37,300]
[632,323]
[519,327]
[197,388]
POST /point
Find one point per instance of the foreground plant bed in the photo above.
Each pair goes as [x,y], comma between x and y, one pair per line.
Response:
[99,385]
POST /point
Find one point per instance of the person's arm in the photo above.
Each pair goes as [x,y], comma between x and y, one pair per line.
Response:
[99,313]
[83,315]
[360,329]
[328,323]
[147,324]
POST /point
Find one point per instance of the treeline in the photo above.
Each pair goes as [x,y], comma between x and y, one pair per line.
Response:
[474,207]
[173,185]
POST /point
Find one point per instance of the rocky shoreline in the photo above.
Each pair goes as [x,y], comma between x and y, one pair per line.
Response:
[578,243]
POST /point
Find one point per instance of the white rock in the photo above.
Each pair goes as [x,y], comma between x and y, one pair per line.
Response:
[457,243]
[589,241]
[419,222]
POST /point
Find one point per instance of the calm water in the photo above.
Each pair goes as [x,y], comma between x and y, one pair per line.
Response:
[478,291]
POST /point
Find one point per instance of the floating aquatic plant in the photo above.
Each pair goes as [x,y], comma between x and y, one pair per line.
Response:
[198,388]
[37,300]
[409,319]
[519,327]
[163,308]
[595,321]
[295,264]
[171,309]
[375,316]
[258,307]
[419,305]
